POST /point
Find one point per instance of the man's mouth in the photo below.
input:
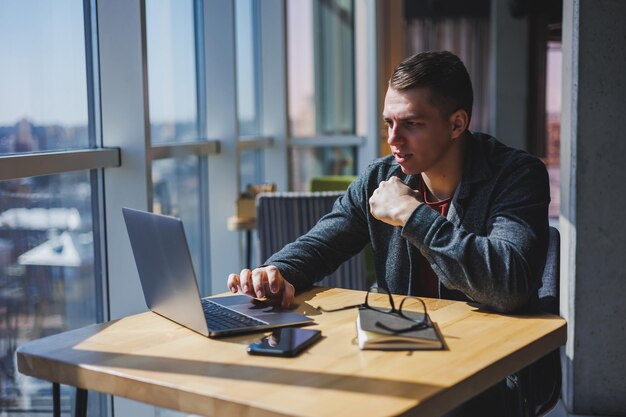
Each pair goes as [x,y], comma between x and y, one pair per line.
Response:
[402,157]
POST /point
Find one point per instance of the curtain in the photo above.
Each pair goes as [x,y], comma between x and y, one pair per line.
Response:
[468,38]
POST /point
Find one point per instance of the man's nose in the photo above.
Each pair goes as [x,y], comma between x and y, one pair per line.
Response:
[394,136]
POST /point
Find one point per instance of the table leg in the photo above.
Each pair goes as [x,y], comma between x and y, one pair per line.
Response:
[81,402]
[56,399]
[248,249]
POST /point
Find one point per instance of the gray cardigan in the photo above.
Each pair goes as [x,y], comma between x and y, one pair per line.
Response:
[490,249]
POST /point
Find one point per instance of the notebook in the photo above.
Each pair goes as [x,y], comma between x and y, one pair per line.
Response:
[371,336]
[170,289]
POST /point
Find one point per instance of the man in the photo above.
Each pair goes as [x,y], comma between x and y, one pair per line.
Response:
[490,242]
[450,214]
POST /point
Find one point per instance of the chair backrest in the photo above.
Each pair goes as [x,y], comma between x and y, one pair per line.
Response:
[331,182]
[548,376]
[549,291]
[283,217]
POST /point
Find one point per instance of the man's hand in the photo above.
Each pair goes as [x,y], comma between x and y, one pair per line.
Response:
[393,202]
[263,282]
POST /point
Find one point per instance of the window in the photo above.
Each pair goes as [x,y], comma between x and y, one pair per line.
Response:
[176,192]
[321,82]
[172,70]
[174,103]
[49,279]
[50,240]
[311,162]
[247,48]
[43,105]
[553,127]
[247,35]
[321,67]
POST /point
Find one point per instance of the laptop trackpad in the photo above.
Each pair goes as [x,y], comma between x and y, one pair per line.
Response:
[247,305]
[259,309]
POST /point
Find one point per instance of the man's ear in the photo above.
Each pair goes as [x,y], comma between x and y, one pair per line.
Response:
[459,121]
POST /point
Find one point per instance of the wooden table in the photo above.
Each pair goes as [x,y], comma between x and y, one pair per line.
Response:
[151,359]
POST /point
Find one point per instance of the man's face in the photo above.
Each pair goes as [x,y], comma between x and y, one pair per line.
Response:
[419,135]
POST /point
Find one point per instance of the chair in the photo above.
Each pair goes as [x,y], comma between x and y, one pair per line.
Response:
[341,183]
[549,303]
[538,385]
[331,182]
[283,217]
[549,291]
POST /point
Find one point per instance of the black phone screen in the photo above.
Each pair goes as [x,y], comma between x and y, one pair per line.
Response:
[286,341]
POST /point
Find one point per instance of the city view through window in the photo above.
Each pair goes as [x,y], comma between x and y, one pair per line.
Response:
[48,279]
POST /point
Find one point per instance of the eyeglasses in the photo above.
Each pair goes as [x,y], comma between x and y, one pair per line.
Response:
[380,300]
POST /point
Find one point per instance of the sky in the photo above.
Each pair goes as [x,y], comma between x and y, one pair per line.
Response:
[246,68]
[171,60]
[42,62]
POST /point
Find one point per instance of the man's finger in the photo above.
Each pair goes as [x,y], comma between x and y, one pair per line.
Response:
[233,283]
[245,283]
[274,279]
[288,294]
[259,277]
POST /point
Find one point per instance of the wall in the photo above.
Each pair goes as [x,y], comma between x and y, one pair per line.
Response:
[593,266]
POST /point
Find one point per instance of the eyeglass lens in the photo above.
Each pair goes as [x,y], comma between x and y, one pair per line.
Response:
[412,309]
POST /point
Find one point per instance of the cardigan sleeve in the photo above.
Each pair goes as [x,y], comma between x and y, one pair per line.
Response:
[502,268]
[335,238]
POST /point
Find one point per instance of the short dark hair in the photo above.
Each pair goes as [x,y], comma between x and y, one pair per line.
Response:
[443,73]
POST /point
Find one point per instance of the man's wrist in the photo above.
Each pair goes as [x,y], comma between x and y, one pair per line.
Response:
[408,210]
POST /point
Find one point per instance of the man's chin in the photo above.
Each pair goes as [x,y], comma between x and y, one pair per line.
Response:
[408,170]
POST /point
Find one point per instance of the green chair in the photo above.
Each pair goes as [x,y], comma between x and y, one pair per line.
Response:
[331,182]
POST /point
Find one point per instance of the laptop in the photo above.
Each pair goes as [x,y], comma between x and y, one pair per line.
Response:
[170,288]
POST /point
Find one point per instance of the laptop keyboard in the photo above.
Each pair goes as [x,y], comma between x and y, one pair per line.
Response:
[221,318]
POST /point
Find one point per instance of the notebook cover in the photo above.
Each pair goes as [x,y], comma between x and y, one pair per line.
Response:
[371,336]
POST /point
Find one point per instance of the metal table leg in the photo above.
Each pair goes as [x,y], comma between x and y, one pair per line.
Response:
[56,399]
[248,249]
[81,402]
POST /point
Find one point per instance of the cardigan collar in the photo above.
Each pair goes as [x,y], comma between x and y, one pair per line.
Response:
[476,165]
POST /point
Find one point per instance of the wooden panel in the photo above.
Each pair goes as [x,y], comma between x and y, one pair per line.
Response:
[151,359]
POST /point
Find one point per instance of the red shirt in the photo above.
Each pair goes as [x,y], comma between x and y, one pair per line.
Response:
[428,284]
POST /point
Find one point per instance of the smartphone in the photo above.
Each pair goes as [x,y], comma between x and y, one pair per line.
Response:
[286,341]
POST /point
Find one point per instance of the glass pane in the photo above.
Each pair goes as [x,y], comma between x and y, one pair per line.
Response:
[307,163]
[43,104]
[251,168]
[321,67]
[246,18]
[176,183]
[553,127]
[172,70]
[300,67]
[48,278]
